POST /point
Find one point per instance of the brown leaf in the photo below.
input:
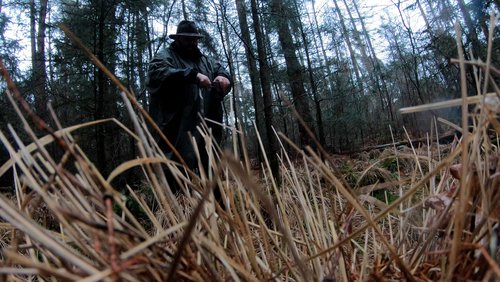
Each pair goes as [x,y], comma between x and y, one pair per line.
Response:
[456,170]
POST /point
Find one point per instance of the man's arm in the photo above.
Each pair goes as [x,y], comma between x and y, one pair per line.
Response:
[223,78]
[162,70]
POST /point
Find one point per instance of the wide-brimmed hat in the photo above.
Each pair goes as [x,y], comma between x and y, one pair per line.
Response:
[186,28]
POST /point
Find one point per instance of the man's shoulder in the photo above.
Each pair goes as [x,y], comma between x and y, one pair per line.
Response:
[166,53]
[168,50]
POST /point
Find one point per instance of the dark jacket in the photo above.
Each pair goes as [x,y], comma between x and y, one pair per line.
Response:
[176,98]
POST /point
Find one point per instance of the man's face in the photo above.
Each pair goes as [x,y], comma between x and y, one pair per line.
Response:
[188,43]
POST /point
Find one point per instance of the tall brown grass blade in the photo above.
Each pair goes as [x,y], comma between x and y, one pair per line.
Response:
[445,163]
[355,203]
[29,227]
[446,104]
[267,202]
[464,193]
[187,234]
[134,163]
[40,268]
[47,139]
[151,241]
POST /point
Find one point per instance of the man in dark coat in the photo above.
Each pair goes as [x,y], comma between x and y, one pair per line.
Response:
[184,83]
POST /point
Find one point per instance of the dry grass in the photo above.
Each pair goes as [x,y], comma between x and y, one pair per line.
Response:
[398,215]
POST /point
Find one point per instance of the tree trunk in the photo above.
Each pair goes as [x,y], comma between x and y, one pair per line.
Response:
[355,34]
[258,99]
[105,103]
[319,35]
[264,75]
[448,17]
[375,69]
[424,16]
[346,36]
[101,89]
[33,34]
[38,59]
[471,30]
[184,10]
[226,43]
[413,65]
[312,81]
[294,71]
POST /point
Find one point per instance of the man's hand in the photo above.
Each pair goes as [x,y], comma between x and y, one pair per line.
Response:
[203,80]
[223,82]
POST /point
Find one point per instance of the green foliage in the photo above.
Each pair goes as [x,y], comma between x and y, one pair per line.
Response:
[349,174]
[134,208]
[384,196]
[391,164]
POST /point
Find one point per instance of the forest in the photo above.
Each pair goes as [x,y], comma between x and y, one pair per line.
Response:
[351,76]
[316,84]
